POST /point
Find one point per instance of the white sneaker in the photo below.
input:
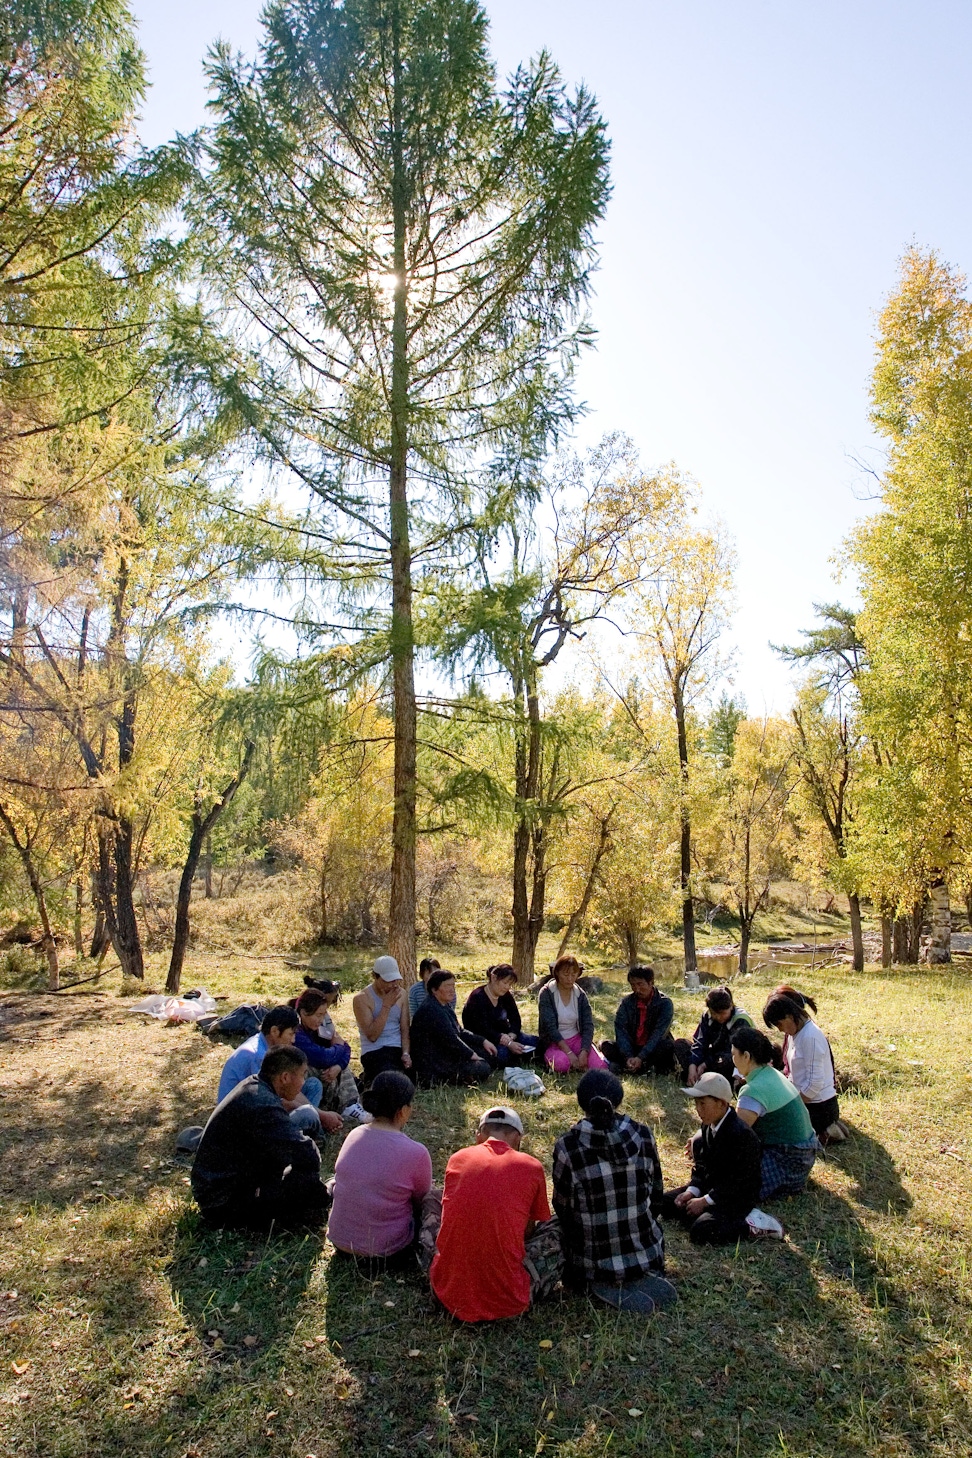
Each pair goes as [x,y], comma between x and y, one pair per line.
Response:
[358,1113]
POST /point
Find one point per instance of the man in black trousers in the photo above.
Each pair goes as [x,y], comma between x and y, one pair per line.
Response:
[726,1175]
[254,1168]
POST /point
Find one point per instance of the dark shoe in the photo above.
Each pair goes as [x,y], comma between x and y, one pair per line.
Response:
[651,1293]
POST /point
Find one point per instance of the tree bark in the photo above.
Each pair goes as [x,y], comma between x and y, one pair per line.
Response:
[401,911]
[857,938]
[128,943]
[685,840]
[24,851]
[886,930]
[745,934]
[899,935]
[201,827]
[528,746]
[208,869]
[939,950]
[577,916]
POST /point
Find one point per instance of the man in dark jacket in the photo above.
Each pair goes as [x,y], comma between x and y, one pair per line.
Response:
[442,1052]
[726,1172]
[643,1041]
[709,1050]
[254,1168]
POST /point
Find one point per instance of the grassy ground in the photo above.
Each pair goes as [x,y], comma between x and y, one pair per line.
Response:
[125,1329]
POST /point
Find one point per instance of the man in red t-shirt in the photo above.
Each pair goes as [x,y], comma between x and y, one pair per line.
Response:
[497,1248]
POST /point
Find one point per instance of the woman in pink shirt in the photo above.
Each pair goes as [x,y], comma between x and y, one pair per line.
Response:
[381,1179]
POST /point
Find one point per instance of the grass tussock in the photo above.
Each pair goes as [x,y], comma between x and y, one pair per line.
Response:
[125,1329]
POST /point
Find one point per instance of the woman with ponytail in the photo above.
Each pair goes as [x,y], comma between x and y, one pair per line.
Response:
[607,1196]
[382,1179]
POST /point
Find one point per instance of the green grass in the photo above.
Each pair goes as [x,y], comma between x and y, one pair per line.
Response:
[144,1335]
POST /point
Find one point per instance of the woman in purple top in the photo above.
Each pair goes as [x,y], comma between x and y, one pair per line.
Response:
[381,1179]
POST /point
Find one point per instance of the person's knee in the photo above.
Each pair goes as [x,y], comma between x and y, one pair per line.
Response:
[306,1118]
[313,1091]
[481,1070]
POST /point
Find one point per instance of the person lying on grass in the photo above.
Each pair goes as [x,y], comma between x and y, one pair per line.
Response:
[442,1052]
[643,1040]
[326,1054]
[709,1050]
[254,1168]
[381,1012]
[566,1022]
[278,1030]
[418,991]
[770,1104]
[807,1060]
[498,1250]
[491,1012]
[607,1185]
[726,1175]
[382,1187]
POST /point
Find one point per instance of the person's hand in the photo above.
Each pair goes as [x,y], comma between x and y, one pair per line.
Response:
[693,1074]
[291,1104]
[582,1058]
[633,1065]
[406,1060]
[489,1048]
[517,1047]
[689,1150]
[389,998]
[332,1074]
[697,1207]
[330,1122]
[506,1041]
[682,1200]
[573,1060]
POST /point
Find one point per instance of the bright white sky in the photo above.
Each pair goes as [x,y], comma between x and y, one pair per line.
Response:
[771,162]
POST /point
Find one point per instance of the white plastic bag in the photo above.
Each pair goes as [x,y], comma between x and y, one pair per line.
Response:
[176,1009]
[522,1081]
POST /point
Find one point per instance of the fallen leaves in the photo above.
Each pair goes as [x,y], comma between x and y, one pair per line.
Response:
[414,1352]
[635,1412]
[19,1368]
[546,1345]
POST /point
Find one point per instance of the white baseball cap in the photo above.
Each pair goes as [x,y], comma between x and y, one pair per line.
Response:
[387,969]
[502,1114]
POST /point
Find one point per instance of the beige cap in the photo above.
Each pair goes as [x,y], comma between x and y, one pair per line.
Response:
[711,1086]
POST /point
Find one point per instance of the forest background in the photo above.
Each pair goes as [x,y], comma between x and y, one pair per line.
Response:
[315,364]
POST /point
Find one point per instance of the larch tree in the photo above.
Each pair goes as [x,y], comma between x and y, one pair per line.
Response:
[915,561]
[403,249]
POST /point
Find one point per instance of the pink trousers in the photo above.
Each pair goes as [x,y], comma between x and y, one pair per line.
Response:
[558,1059]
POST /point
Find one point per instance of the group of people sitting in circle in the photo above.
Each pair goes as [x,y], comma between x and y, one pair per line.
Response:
[489,1240]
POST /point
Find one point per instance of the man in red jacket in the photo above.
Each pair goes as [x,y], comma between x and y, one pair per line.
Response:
[498,1250]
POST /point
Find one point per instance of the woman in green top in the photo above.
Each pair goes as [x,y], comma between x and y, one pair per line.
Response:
[773,1108]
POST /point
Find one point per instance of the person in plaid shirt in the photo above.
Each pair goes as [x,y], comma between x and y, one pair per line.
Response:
[607,1184]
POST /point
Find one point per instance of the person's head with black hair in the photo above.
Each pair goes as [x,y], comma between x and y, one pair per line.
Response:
[802,999]
[641,978]
[501,978]
[312,1008]
[720,1004]
[390,1099]
[325,985]
[785,1014]
[751,1049]
[442,986]
[285,1070]
[279,1027]
[600,1094]
[566,971]
[427,966]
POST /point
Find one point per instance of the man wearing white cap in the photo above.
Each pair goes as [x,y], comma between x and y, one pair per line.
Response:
[726,1174]
[381,1012]
[498,1250]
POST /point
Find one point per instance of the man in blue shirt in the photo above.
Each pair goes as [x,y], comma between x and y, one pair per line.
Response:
[278,1030]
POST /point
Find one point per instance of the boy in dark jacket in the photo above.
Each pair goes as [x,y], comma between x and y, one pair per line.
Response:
[254,1168]
[726,1169]
[709,1050]
[643,1041]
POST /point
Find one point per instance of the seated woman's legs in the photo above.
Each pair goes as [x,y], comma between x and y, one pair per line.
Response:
[560,1063]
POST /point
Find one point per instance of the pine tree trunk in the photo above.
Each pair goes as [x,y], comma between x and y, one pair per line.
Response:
[128,943]
[857,937]
[685,841]
[78,909]
[401,913]
[180,939]
[577,916]
[521,909]
[49,945]
[208,869]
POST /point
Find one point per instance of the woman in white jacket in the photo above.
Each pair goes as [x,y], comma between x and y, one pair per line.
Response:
[807,1060]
